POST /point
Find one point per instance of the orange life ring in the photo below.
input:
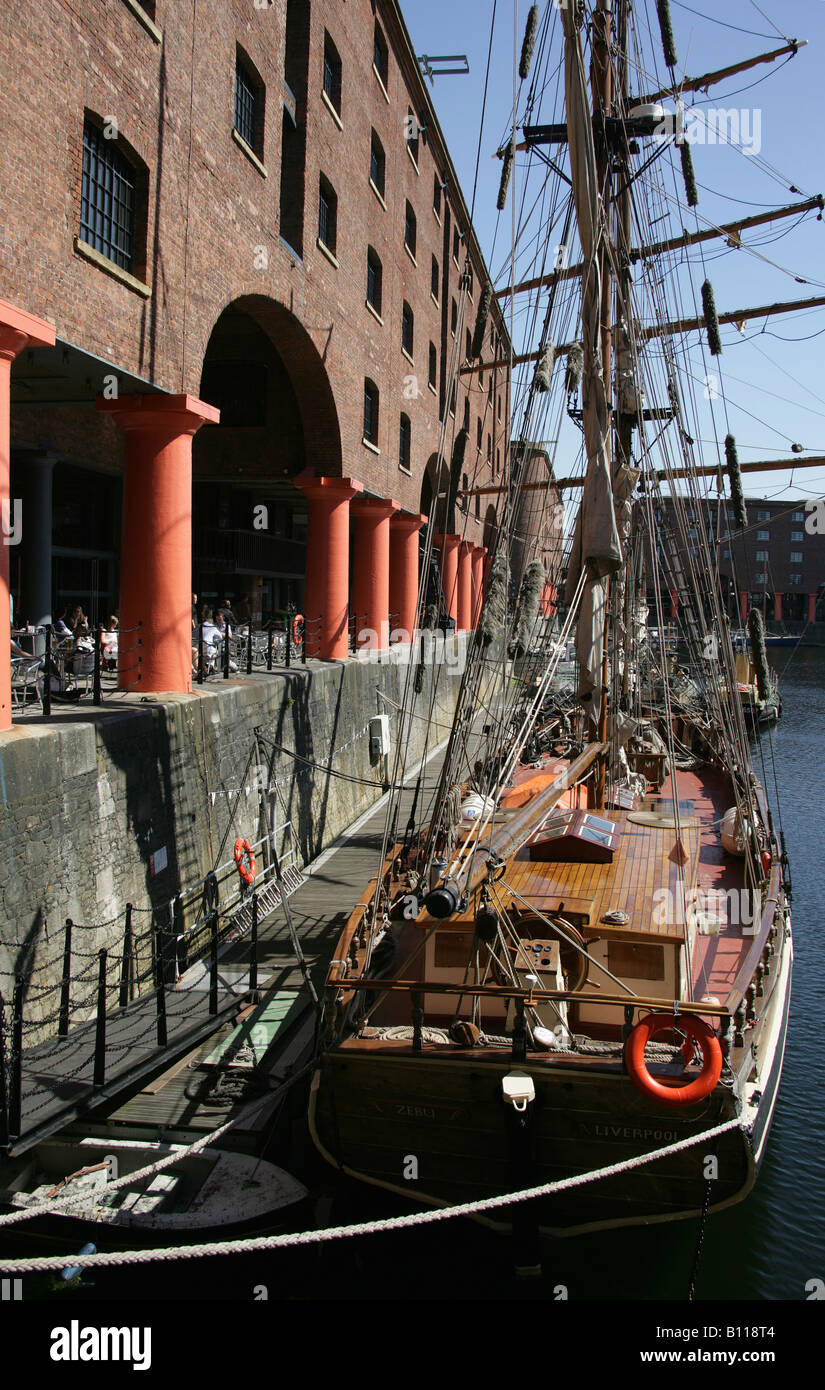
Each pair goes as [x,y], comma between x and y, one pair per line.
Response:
[243,851]
[697,1031]
[297,628]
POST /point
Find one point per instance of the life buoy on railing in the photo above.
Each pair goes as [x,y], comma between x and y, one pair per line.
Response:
[659,1090]
[297,628]
[245,860]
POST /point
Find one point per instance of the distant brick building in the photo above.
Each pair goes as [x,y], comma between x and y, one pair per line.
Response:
[250,206]
[777,563]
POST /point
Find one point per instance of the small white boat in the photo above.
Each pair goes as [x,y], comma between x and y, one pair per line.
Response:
[207,1190]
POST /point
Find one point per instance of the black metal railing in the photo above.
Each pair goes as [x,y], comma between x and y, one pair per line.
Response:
[71,668]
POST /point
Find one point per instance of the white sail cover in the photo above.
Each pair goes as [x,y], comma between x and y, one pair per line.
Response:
[596,543]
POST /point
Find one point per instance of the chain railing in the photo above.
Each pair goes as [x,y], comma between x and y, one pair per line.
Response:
[247,649]
[64,670]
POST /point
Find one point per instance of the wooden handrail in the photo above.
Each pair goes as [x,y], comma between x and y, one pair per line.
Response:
[531,996]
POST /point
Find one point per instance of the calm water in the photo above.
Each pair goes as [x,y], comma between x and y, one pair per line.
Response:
[766,1248]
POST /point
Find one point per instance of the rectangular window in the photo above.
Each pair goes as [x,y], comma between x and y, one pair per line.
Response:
[374,281]
[763,516]
[434,278]
[760,578]
[245,96]
[404,439]
[327,216]
[798,516]
[761,555]
[437,196]
[407,329]
[107,206]
[412,133]
[797,535]
[378,164]
[433,365]
[796,557]
[795,579]
[371,412]
[409,229]
[332,74]
[763,535]
[453,317]
[380,55]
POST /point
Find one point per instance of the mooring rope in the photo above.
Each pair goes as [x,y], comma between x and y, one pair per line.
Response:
[40,1263]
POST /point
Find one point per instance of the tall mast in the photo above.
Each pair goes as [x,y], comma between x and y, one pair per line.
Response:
[601,83]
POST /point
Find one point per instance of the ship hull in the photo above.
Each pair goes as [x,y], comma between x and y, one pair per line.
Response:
[435,1128]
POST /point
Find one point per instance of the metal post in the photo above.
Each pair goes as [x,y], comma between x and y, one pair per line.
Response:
[66,983]
[269,648]
[126,969]
[304,642]
[417,1021]
[226,653]
[100,1022]
[200,653]
[249,651]
[97,698]
[519,1053]
[4,1095]
[213,962]
[47,674]
[288,641]
[253,943]
[160,985]
[16,1088]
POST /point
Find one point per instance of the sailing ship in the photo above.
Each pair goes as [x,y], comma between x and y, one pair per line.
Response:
[579,952]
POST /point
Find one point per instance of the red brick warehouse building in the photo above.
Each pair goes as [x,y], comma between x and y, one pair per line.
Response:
[246,208]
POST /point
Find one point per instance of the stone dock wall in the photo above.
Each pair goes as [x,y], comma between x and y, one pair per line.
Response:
[91,807]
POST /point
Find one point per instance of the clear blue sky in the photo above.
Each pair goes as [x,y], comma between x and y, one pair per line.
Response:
[774,380]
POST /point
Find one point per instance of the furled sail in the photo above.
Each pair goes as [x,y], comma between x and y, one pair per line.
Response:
[596,544]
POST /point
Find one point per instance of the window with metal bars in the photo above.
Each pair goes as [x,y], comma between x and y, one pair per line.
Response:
[332,74]
[380,55]
[108,196]
[409,229]
[407,329]
[374,280]
[245,100]
[404,444]
[370,411]
[328,215]
[378,164]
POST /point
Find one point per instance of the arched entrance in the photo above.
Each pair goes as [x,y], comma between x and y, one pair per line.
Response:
[278,418]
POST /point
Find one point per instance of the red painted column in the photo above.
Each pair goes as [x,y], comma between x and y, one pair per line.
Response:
[479,553]
[18,330]
[327,579]
[156,548]
[811,608]
[448,546]
[371,570]
[743,606]
[777,608]
[404,530]
[465,586]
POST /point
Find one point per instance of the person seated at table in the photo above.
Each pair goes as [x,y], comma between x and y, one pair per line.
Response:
[77,620]
[212,634]
[108,642]
[83,662]
[18,651]
[60,627]
[229,618]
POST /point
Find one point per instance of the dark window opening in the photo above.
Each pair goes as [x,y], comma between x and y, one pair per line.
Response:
[437,196]
[409,229]
[412,133]
[332,74]
[378,164]
[328,215]
[433,365]
[407,329]
[404,443]
[247,96]
[371,412]
[434,279]
[381,55]
[374,280]
[108,199]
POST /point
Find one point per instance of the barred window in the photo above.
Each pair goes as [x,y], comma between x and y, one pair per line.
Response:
[378,164]
[107,206]
[370,411]
[374,280]
[380,55]
[245,97]
[404,440]
[332,74]
[409,228]
[407,329]
[327,215]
